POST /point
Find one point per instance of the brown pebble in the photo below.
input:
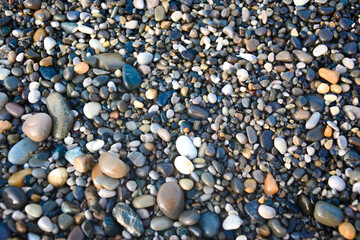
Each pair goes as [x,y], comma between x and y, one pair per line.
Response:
[32,4]
[164,134]
[329,75]
[45,62]
[170,199]
[76,234]
[270,185]
[252,45]
[37,127]
[83,163]
[15,109]
[4,125]
[95,172]
[39,35]
[328,132]
[81,68]
[17,179]
[347,230]
[250,185]
[58,177]
[112,166]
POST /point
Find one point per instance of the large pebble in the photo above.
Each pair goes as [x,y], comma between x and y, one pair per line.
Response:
[209,223]
[128,219]
[34,210]
[337,183]
[280,144]
[13,197]
[313,120]
[112,166]
[170,199]
[144,201]
[58,177]
[45,224]
[131,77]
[232,222]
[184,165]
[328,214]
[61,115]
[185,147]
[144,58]
[37,127]
[92,109]
[20,153]
[266,212]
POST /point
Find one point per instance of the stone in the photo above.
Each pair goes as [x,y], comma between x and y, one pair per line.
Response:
[300,2]
[137,158]
[144,201]
[315,134]
[266,140]
[305,205]
[280,144]
[337,183]
[92,109]
[185,147]
[34,210]
[58,177]
[21,152]
[208,179]
[110,61]
[45,224]
[159,13]
[32,4]
[76,234]
[323,88]
[111,226]
[131,78]
[112,166]
[72,154]
[83,163]
[270,185]
[11,83]
[227,89]
[144,58]
[170,199]
[284,56]
[250,185]
[303,56]
[13,197]
[251,135]
[37,127]
[17,179]
[103,181]
[350,48]
[161,223]
[326,35]
[328,214]
[164,134]
[320,50]
[277,228]
[82,67]
[347,230]
[60,114]
[184,165]
[139,4]
[209,224]
[186,184]
[4,73]
[342,142]
[14,109]
[252,45]
[198,112]
[95,44]
[128,219]
[329,75]
[266,212]
[152,3]
[232,222]
[189,217]
[313,120]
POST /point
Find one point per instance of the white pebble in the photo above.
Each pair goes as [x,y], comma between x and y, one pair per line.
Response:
[320,50]
[227,89]
[337,183]
[280,144]
[49,43]
[144,58]
[185,147]
[45,224]
[266,212]
[184,165]
[85,29]
[313,120]
[232,222]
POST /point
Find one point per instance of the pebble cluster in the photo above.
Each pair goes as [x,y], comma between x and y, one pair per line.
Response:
[185,119]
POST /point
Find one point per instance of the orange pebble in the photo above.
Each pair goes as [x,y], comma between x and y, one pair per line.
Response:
[4,125]
[17,179]
[270,185]
[81,68]
[347,230]
[328,132]
[95,173]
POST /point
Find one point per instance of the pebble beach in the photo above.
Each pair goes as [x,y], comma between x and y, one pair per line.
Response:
[179,119]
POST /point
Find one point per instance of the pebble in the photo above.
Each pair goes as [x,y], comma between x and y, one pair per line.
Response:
[185,147]
[266,212]
[164,134]
[128,219]
[329,75]
[131,77]
[337,183]
[144,201]
[328,214]
[170,199]
[4,73]
[209,224]
[320,50]
[92,109]
[270,185]
[37,127]
[189,217]
[17,179]
[34,210]
[112,166]
[49,43]
[14,109]
[232,222]
[83,163]
[20,153]
[144,58]
[45,224]
[161,223]
[139,4]
[184,165]
[58,177]
[81,68]
[13,197]
[280,144]
[313,120]
[347,230]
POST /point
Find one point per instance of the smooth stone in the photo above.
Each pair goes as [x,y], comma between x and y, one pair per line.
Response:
[184,165]
[65,221]
[251,135]
[352,158]
[280,144]
[186,184]
[305,205]
[315,134]
[111,226]
[68,27]
[14,109]
[110,61]
[320,50]
[11,83]
[326,35]
[106,182]
[58,177]
[170,199]
[303,56]
[152,3]
[32,4]
[329,75]
[159,13]
[49,43]
[131,77]
[284,56]
[139,4]
[337,183]
[61,115]
[347,230]
[128,219]
[34,210]
[17,179]
[37,127]
[164,134]
[161,223]
[270,185]
[76,234]
[73,153]
[277,228]
[237,186]
[4,73]
[300,2]
[208,179]
[186,147]
[45,224]
[189,217]
[266,212]
[13,197]
[144,58]
[349,109]
[232,222]
[342,142]
[112,166]
[83,163]
[3,99]
[144,201]
[92,109]
[350,48]
[266,140]
[137,158]
[20,153]
[328,214]
[94,43]
[198,112]
[313,120]
[209,224]
[252,45]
